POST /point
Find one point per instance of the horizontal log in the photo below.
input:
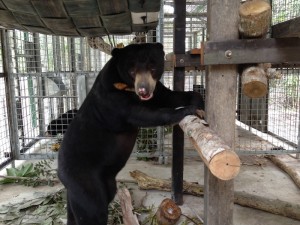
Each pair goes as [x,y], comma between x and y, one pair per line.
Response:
[293,173]
[215,153]
[245,51]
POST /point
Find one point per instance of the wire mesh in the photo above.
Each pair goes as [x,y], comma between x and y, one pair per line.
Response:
[283,10]
[47,76]
[52,74]
[270,124]
[5,155]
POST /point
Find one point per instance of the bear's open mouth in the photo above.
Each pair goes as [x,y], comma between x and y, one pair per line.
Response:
[146,96]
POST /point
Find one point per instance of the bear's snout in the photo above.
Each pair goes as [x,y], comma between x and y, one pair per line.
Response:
[144,85]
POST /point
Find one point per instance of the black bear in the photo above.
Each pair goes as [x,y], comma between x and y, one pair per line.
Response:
[60,125]
[126,95]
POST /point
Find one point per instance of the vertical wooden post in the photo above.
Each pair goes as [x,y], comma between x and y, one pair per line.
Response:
[179,72]
[220,109]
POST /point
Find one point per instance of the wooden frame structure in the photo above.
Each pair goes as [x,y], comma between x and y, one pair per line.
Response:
[221,54]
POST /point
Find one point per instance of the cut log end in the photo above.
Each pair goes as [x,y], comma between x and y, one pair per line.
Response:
[255,89]
[255,18]
[254,8]
[168,212]
[254,82]
[225,165]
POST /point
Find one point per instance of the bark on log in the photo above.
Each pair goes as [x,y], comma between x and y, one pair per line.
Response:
[275,206]
[126,204]
[168,213]
[215,153]
[149,183]
[290,171]
[254,82]
[255,18]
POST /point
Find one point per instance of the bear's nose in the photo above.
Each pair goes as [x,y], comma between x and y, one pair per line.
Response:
[142,91]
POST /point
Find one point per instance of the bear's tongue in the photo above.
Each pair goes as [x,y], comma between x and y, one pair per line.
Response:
[146,97]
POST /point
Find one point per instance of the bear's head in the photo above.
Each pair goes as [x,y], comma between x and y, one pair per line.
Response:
[140,66]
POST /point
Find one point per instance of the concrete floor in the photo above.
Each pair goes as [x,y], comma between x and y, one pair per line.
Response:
[265,180]
[258,176]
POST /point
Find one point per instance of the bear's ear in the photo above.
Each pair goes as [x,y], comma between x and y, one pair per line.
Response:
[115,52]
[160,46]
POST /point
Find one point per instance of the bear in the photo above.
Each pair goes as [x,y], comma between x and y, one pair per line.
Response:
[60,125]
[126,95]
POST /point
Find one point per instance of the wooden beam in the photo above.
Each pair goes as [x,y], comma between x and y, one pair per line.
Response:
[290,28]
[179,75]
[221,88]
[187,60]
[281,50]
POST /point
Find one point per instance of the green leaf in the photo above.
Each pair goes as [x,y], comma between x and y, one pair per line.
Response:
[27,170]
[11,172]
[7,181]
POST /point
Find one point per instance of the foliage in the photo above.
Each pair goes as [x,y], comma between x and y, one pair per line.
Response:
[31,174]
[43,210]
[23,171]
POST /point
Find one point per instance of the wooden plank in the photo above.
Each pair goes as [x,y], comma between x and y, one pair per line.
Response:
[220,110]
[290,28]
[187,60]
[281,50]
[179,73]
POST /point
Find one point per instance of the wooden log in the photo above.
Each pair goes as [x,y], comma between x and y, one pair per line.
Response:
[149,183]
[275,206]
[215,153]
[255,18]
[126,204]
[290,171]
[254,82]
[168,213]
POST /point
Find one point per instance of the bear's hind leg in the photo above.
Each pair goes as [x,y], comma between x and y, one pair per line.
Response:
[70,215]
[88,206]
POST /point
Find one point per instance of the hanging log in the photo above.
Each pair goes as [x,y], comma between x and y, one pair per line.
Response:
[215,153]
[168,213]
[255,18]
[290,171]
[275,206]
[126,204]
[254,82]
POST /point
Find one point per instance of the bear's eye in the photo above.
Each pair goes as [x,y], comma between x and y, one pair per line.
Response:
[153,70]
[132,72]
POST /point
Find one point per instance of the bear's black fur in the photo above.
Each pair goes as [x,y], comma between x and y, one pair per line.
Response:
[126,95]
